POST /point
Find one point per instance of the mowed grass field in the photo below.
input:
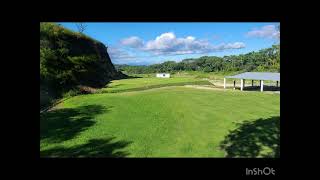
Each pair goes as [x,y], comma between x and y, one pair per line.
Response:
[173,121]
[186,77]
[136,84]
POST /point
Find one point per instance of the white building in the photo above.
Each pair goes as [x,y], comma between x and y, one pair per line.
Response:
[163,75]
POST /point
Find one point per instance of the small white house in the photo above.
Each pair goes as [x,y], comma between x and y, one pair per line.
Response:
[163,75]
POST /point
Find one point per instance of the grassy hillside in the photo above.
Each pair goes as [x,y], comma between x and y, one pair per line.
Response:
[165,122]
[69,59]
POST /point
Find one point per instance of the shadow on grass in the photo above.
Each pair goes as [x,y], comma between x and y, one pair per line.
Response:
[94,148]
[132,77]
[259,138]
[265,88]
[64,124]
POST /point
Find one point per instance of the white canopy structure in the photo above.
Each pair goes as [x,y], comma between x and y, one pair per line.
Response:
[261,76]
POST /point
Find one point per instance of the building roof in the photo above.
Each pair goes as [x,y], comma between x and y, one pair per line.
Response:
[257,76]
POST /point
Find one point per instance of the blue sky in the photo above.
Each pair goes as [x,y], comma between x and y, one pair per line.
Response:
[149,43]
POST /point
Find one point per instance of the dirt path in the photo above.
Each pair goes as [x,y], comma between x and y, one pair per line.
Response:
[205,87]
[222,89]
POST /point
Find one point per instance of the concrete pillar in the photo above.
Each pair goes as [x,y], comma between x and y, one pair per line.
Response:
[261,85]
[277,83]
[252,83]
[241,85]
[224,83]
[234,84]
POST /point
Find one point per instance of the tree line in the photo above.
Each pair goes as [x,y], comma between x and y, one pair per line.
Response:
[264,60]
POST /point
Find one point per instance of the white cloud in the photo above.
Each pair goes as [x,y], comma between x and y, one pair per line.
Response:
[165,44]
[268,31]
[169,44]
[133,41]
[236,45]
[116,53]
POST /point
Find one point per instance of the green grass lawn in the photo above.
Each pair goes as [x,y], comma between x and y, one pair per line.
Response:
[136,84]
[199,76]
[163,122]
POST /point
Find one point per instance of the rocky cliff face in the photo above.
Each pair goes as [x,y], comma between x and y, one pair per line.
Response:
[69,59]
[75,58]
[100,69]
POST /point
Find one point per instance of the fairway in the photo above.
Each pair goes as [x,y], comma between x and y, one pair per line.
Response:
[163,122]
[136,84]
